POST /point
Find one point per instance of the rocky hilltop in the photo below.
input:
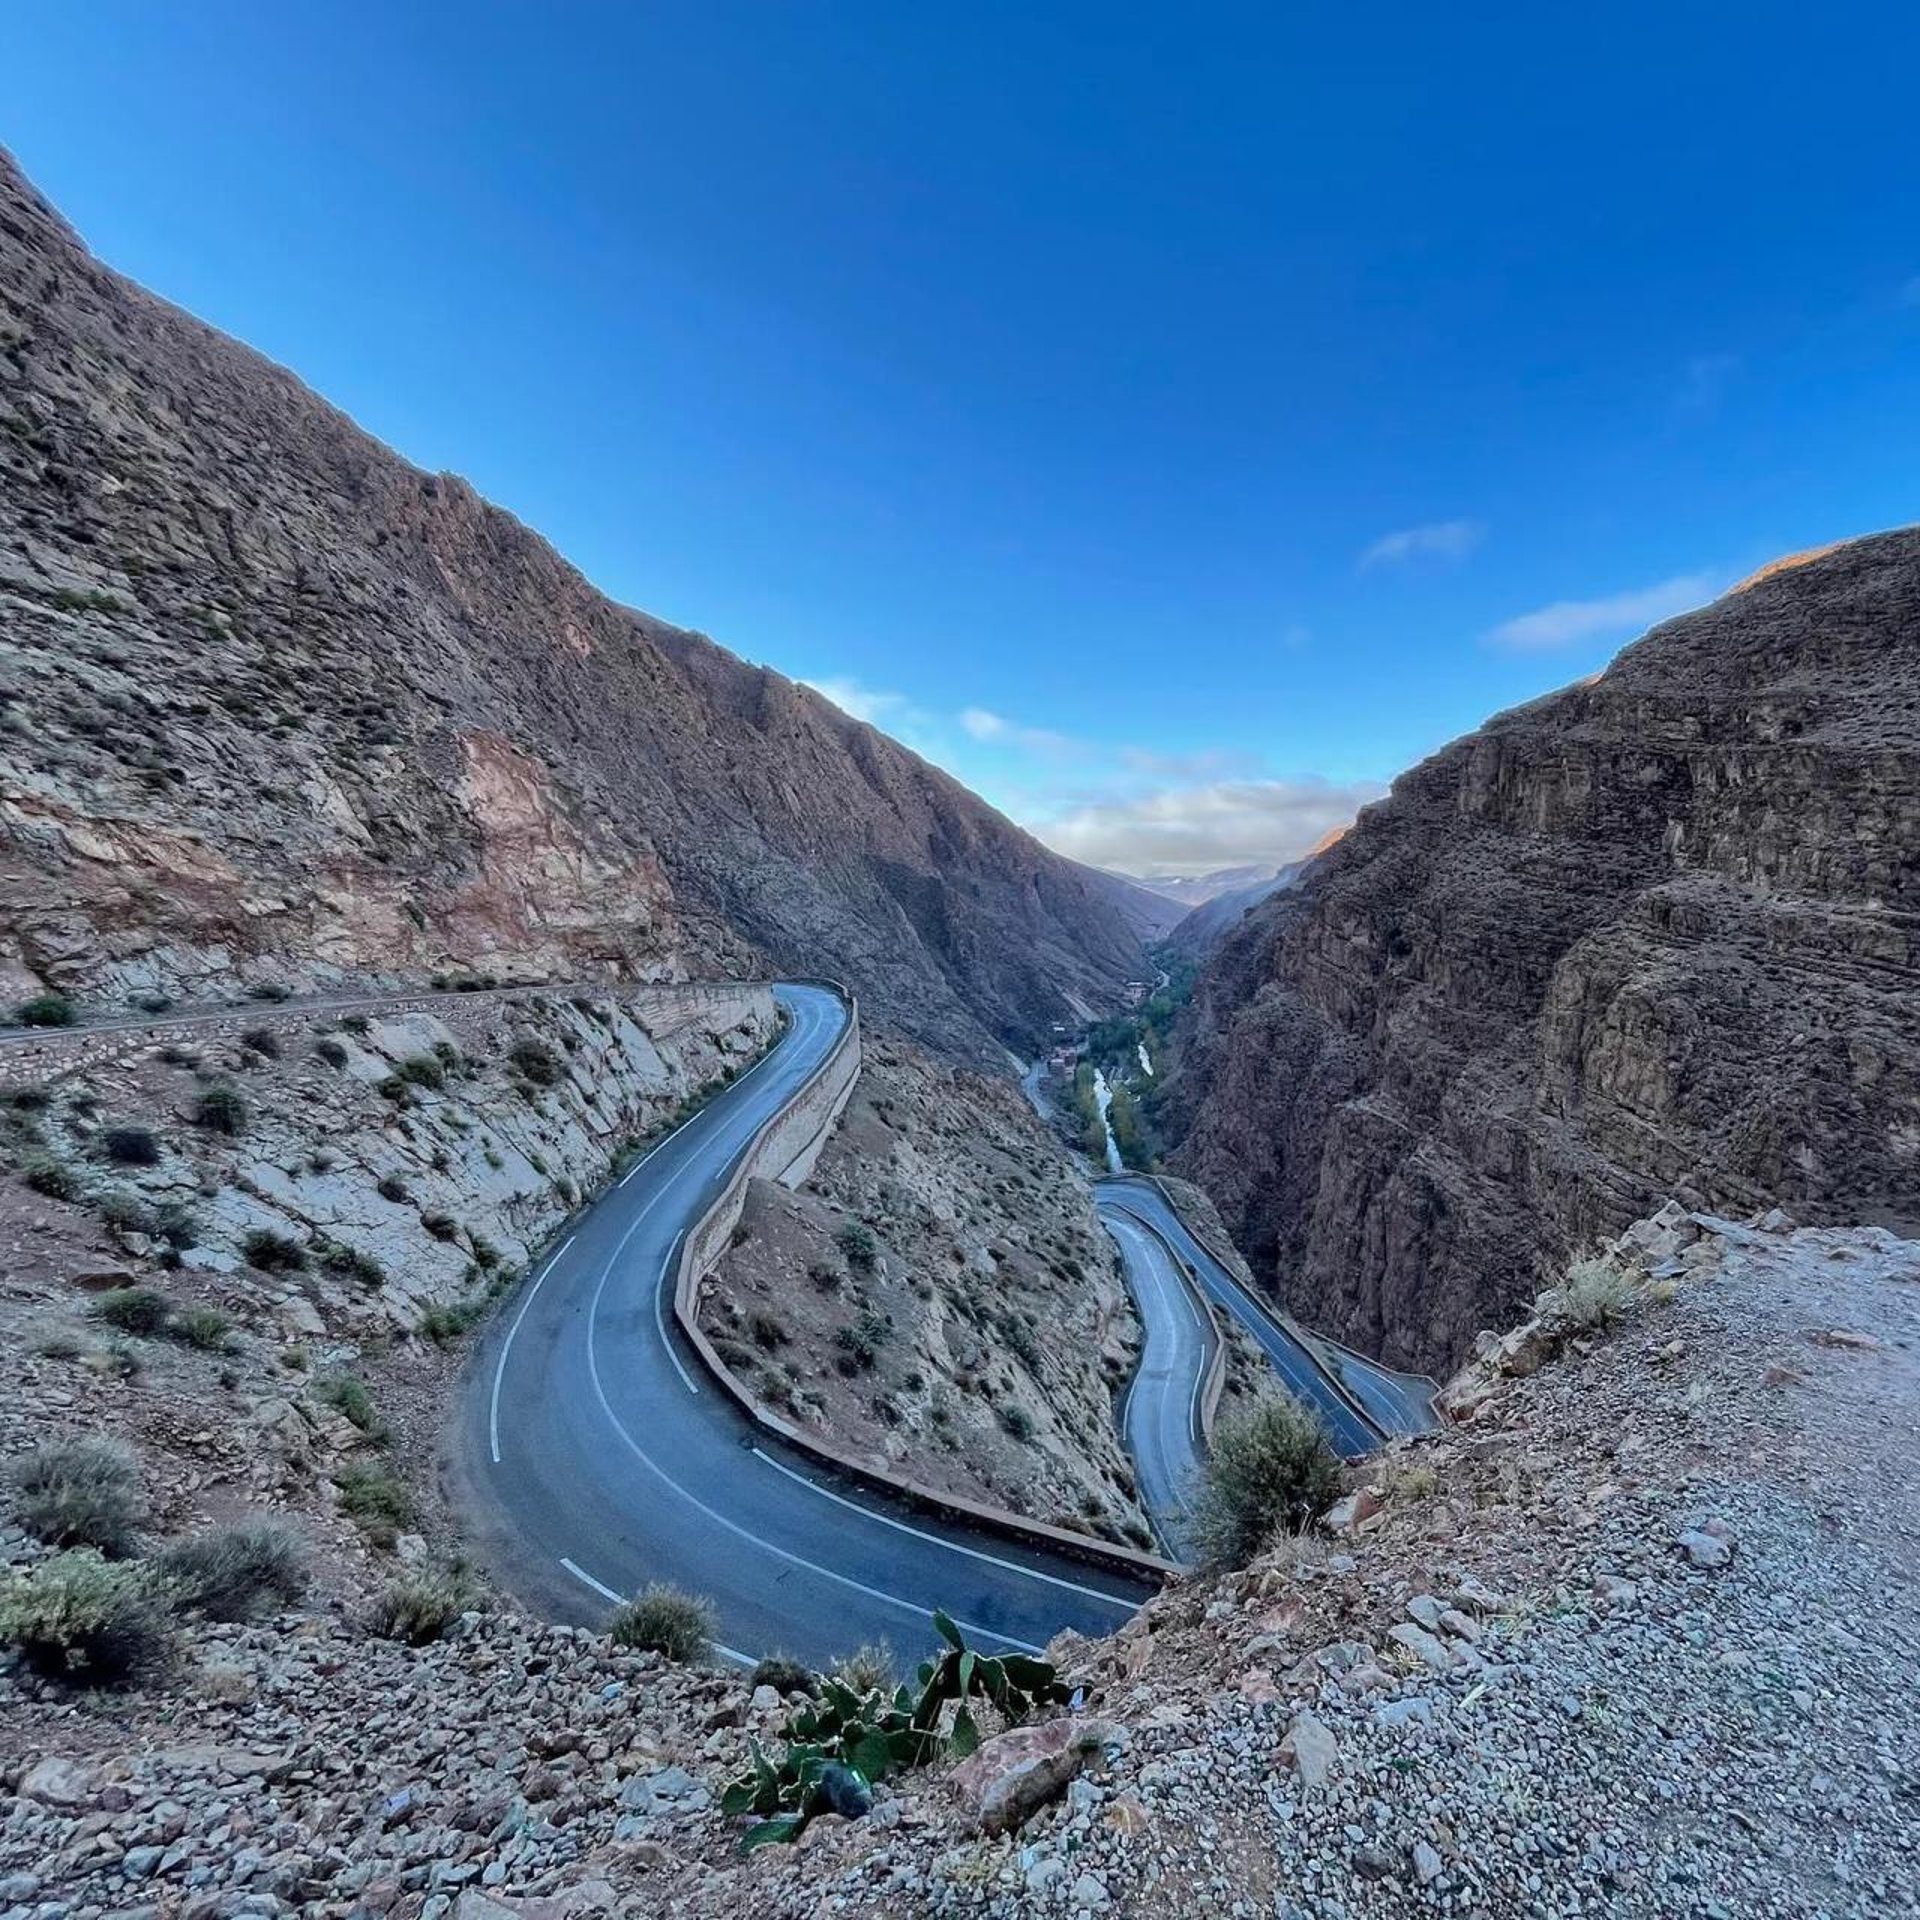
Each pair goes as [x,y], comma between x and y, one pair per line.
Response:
[278,705]
[1638,1641]
[1657,932]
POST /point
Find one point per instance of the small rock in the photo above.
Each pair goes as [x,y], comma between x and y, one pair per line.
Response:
[1347,1516]
[1710,1545]
[1429,1651]
[1310,1749]
[1426,1863]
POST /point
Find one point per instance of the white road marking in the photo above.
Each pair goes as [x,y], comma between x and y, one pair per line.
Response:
[733,1527]
[952,1546]
[659,1312]
[586,1579]
[734,1654]
[506,1347]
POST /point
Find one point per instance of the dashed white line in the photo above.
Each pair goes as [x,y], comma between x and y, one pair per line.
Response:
[587,1580]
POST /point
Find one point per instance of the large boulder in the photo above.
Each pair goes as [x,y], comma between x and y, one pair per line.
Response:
[1014,1773]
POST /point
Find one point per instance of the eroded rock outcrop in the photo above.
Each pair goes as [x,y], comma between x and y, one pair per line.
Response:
[1654,933]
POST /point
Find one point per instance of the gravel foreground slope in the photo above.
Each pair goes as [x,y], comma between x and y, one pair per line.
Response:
[1637,1638]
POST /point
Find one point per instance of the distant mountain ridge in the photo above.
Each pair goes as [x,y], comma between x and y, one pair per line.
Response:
[285,709]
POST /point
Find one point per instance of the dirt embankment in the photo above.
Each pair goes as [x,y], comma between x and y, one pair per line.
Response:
[254,1252]
[942,1299]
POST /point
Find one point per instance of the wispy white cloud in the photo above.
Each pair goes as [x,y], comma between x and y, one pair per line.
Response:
[1567,622]
[993,729]
[1191,830]
[1139,809]
[1437,540]
[871,704]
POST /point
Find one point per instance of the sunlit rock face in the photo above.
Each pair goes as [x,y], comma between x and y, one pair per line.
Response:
[1655,933]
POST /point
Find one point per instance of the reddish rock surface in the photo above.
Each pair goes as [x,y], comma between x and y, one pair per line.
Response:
[275,703]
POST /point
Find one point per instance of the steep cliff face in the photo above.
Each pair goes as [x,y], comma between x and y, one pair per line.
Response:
[1656,933]
[274,703]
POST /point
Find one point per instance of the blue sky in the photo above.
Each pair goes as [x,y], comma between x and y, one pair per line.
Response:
[1174,420]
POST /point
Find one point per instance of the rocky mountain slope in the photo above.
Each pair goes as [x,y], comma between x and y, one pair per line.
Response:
[274,703]
[1659,931]
[1198,932]
[252,1249]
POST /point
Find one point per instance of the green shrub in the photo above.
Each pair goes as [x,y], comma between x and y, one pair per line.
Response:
[273,1252]
[82,1491]
[81,1619]
[826,1276]
[124,1212]
[204,1327]
[855,1240]
[536,1061]
[784,1675]
[47,1173]
[221,1109]
[1016,1420]
[263,1041]
[666,1621]
[332,1051]
[867,1669]
[486,1256]
[1271,1471]
[236,1572]
[391,1187]
[350,1397]
[30,1099]
[269,990]
[423,1070]
[372,1497]
[133,1309]
[1595,1292]
[349,1263]
[421,1605]
[131,1146]
[355,1023]
[443,1323]
[442,1226]
[177,1227]
[860,1343]
[46,1010]
[768,1333]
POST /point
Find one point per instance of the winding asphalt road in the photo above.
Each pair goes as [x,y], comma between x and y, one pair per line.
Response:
[1160,1419]
[1357,1422]
[594,1457]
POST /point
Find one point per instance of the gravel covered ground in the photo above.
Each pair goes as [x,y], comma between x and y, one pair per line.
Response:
[1640,1638]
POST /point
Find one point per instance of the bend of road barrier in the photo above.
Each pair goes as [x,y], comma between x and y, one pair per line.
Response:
[785,1150]
[1217,1366]
[1309,1343]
